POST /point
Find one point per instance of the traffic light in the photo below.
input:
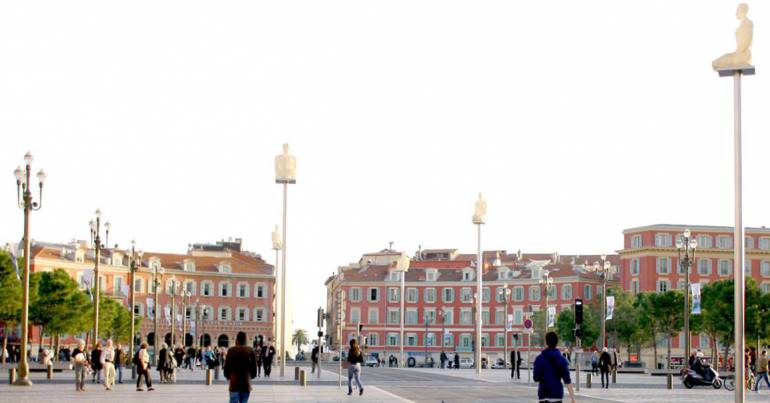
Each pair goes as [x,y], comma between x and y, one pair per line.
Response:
[578,311]
[360,327]
[320,317]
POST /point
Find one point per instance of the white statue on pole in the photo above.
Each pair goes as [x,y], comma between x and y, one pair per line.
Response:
[743,39]
[285,167]
[480,213]
[277,241]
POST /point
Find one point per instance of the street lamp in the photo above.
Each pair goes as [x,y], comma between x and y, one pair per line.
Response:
[402,265]
[174,285]
[479,219]
[95,226]
[505,292]
[277,320]
[134,262]
[545,283]
[686,249]
[285,174]
[604,270]
[186,294]
[442,312]
[156,270]
[24,201]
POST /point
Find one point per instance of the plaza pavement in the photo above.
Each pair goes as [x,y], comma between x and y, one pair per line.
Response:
[380,385]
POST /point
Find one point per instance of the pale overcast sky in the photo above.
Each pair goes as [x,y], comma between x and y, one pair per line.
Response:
[576,120]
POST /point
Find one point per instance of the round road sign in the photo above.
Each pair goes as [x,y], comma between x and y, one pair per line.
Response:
[528,323]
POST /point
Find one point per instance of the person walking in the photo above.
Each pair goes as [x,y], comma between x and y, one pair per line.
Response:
[594,363]
[443,359]
[314,359]
[258,356]
[97,362]
[189,361]
[80,365]
[165,364]
[457,361]
[355,359]
[268,352]
[240,367]
[142,362]
[108,357]
[761,371]
[605,363]
[515,364]
[551,369]
[120,356]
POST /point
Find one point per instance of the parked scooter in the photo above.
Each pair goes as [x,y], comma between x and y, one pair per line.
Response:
[690,378]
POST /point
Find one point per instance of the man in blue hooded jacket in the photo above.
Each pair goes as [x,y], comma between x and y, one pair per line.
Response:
[550,370]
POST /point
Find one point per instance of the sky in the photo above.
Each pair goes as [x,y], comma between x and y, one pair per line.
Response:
[575,119]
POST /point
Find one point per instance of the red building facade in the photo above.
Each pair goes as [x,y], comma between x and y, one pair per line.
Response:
[439,291]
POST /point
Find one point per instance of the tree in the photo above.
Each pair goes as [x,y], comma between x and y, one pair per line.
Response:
[565,323]
[299,338]
[625,322]
[58,306]
[10,297]
[662,314]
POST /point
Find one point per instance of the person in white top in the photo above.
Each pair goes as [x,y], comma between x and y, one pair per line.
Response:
[108,357]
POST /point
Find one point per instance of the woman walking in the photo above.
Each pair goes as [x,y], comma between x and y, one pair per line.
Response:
[355,358]
[142,362]
[80,365]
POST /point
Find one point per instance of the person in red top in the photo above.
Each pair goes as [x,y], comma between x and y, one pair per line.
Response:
[239,369]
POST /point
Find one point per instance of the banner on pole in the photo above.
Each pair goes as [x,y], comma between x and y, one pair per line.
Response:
[551,316]
[610,306]
[695,298]
[13,249]
[124,289]
[509,325]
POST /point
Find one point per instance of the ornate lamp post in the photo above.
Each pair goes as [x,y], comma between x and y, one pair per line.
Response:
[285,174]
[686,248]
[134,262]
[186,294]
[24,201]
[604,270]
[505,292]
[402,265]
[479,219]
[545,282]
[174,285]
[277,319]
[156,282]
[95,226]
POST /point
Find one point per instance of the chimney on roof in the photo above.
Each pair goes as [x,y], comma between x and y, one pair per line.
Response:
[518,254]
[390,245]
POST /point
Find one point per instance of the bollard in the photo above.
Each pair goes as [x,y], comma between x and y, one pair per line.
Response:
[302,378]
[296,373]
[11,375]
[614,376]
[216,373]
[208,376]
[133,371]
[49,372]
[588,381]
[670,381]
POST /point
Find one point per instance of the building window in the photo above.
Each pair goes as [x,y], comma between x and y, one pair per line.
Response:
[138,309]
[430,295]
[566,292]
[704,241]
[394,317]
[663,265]
[411,339]
[465,316]
[500,339]
[518,293]
[429,315]
[448,295]
[394,276]
[373,316]
[138,285]
[552,292]
[466,295]
[663,285]
[765,288]
[725,267]
[243,315]
[430,275]
[372,340]
[374,294]
[224,289]
[355,315]
[467,275]
[448,317]
[485,294]
[663,240]
[206,287]
[430,339]
[636,241]
[499,316]
[634,263]
[243,290]
[749,242]
[355,294]
[587,291]
[411,316]
[259,315]
[465,341]
[704,267]
[392,339]
[189,266]
[225,268]
[394,294]
[518,316]
[724,242]
[764,269]
[224,313]
[764,243]
[635,286]
[411,295]
[259,291]
[534,293]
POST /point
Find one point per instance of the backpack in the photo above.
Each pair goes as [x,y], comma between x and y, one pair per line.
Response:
[136,361]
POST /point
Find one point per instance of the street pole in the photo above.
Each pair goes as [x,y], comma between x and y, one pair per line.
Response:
[425,341]
[173,312]
[133,267]
[479,291]
[27,205]
[402,363]
[505,320]
[95,232]
[156,305]
[283,284]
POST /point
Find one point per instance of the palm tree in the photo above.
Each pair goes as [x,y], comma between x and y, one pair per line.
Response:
[299,338]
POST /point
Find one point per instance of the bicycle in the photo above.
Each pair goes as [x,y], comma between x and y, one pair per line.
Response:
[749,382]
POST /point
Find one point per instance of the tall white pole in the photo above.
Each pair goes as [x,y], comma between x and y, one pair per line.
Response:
[401,337]
[283,284]
[479,273]
[738,273]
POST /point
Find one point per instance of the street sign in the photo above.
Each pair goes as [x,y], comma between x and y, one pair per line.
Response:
[528,324]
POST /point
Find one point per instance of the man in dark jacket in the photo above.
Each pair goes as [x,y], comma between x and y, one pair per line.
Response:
[550,370]
[515,364]
[240,368]
[314,359]
[268,352]
[605,364]
[96,362]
